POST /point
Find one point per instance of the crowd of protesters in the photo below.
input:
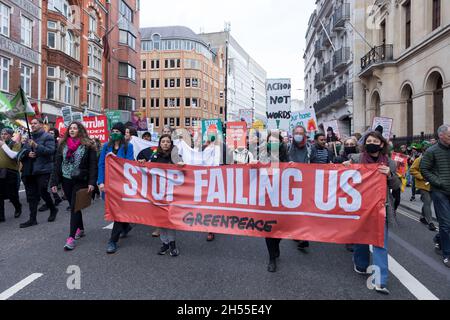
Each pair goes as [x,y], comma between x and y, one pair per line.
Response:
[46,161]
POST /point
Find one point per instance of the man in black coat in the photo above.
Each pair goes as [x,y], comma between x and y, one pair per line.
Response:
[37,160]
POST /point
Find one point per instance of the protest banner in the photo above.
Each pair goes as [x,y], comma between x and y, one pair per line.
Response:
[211,127]
[139,121]
[236,135]
[97,127]
[278,104]
[67,115]
[321,203]
[77,116]
[113,118]
[335,134]
[386,124]
[247,116]
[306,118]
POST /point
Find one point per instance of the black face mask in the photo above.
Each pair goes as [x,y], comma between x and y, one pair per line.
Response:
[373,148]
[350,150]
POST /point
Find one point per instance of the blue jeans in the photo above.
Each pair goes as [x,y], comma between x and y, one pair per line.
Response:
[361,258]
[442,208]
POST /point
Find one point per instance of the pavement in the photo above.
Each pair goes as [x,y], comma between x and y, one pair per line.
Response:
[34,265]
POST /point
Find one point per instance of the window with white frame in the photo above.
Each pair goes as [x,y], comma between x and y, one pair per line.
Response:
[51,39]
[94,96]
[5,14]
[93,24]
[125,11]
[26,31]
[51,85]
[127,38]
[70,44]
[4,74]
[25,79]
[68,90]
[51,72]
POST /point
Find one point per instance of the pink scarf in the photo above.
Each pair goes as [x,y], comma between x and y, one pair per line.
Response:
[72,146]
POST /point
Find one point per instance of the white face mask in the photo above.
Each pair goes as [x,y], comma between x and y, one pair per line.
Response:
[299,138]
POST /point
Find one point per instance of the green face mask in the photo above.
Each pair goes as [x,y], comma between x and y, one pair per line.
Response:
[116,136]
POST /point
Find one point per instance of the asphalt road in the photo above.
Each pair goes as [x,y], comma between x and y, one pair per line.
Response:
[229,268]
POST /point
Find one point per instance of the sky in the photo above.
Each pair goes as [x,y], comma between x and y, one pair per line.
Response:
[272,32]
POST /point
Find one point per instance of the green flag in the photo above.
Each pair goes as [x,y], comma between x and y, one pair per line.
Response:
[18,107]
[5,104]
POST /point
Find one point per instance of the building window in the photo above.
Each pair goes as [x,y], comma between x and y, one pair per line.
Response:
[187,122]
[68,90]
[26,31]
[127,38]
[51,89]
[156,41]
[155,64]
[172,63]
[407,7]
[25,79]
[157,122]
[194,102]
[188,102]
[188,83]
[144,103]
[127,103]
[144,84]
[5,13]
[195,83]
[70,44]
[171,102]
[436,14]
[154,84]
[127,71]
[154,103]
[51,40]
[93,24]
[144,65]
[51,72]
[4,74]
[125,11]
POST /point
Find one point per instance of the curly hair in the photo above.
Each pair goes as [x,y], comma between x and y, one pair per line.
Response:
[82,135]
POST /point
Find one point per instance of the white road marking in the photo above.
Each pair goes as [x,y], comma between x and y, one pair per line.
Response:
[408,215]
[413,285]
[410,282]
[21,191]
[19,286]
[109,227]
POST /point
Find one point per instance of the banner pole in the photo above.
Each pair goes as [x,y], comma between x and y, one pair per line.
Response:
[26,117]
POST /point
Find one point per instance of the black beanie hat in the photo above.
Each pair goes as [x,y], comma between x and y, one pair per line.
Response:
[380,129]
[119,126]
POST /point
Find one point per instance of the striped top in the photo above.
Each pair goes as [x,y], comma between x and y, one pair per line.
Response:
[322,156]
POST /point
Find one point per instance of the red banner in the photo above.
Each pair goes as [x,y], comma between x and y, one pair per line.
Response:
[328,203]
[236,135]
[97,127]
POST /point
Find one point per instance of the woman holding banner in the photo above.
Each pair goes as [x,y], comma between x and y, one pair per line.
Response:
[75,168]
[276,153]
[118,147]
[375,151]
[164,155]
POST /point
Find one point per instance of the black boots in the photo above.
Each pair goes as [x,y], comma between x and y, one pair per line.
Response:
[28,224]
[53,214]
[272,266]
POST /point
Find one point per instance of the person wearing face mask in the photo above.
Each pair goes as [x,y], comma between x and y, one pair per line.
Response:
[350,147]
[375,151]
[164,155]
[299,150]
[76,168]
[117,146]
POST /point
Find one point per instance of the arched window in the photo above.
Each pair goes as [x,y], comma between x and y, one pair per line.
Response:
[156,41]
[70,44]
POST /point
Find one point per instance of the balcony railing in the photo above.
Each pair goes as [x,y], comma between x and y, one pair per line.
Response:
[380,54]
[340,58]
[341,15]
[327,71]
[336,97]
